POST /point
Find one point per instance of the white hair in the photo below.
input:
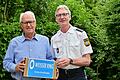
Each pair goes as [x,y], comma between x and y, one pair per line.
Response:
[27,12]
[63,6]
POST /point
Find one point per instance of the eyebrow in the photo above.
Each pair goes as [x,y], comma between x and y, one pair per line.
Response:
[62,14]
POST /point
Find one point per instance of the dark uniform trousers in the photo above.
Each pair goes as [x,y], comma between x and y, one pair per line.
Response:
[72,74]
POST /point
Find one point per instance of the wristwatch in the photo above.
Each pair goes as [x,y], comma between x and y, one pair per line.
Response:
[71,61]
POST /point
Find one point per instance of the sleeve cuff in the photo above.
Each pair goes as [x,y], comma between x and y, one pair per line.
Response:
[13,68]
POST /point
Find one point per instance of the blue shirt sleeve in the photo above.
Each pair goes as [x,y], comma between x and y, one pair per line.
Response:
[9,58]
[49,55]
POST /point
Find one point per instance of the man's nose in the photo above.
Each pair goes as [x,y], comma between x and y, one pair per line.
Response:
[28,24]
[62,16]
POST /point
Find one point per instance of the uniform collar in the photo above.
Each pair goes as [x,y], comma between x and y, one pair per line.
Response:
[71,30]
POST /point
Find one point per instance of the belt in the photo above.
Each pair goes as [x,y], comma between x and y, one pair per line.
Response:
[63,73]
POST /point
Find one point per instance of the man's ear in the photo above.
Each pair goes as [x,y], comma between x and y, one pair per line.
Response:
[21,27]
[55,19]
[69,18]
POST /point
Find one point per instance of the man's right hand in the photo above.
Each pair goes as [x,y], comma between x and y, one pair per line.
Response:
[20,66]
[63,62]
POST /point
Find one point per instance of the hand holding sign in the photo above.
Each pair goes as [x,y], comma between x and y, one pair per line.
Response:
[20,66]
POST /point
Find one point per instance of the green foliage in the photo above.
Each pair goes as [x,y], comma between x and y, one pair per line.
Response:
[9,9]
[48,29]
[7,32]
[90,73]
[106,19]
[99,18]
[113,28]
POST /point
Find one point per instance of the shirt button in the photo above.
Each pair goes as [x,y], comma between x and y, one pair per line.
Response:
[30,49]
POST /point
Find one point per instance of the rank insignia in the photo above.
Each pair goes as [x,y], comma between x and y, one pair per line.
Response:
[86,42]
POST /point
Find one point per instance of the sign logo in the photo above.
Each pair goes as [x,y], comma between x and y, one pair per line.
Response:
[32,64]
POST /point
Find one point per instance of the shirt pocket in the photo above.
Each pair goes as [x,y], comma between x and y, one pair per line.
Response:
[57,46]
[74,47]
[74,43]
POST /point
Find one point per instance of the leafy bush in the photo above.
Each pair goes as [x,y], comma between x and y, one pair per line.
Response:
[100,19]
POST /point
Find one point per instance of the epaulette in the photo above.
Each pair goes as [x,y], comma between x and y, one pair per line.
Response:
[80,30]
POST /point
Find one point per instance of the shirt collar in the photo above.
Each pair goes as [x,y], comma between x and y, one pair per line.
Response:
[34,37]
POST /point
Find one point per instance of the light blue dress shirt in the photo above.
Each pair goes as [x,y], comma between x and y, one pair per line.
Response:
[20,47]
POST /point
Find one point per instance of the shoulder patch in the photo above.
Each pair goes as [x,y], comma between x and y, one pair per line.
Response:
[80,30]
[86,42]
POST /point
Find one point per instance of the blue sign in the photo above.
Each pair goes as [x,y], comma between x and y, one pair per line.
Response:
[40,68]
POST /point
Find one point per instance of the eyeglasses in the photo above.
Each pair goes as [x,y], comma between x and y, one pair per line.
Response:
[26,22]
[63,14]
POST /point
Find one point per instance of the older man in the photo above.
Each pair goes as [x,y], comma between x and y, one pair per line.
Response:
[29,44]
[71,47]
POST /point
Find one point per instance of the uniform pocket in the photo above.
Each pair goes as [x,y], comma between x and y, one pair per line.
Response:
[74,48]
[74,44]
[57,44]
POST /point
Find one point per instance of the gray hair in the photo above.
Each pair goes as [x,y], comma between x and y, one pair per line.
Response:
[27,12]
[62,6]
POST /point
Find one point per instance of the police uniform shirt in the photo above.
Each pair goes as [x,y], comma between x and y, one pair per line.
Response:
[72,44]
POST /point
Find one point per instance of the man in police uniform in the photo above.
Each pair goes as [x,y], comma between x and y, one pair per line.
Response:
[71,47]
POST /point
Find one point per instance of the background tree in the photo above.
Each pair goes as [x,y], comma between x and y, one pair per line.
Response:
[99,18]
